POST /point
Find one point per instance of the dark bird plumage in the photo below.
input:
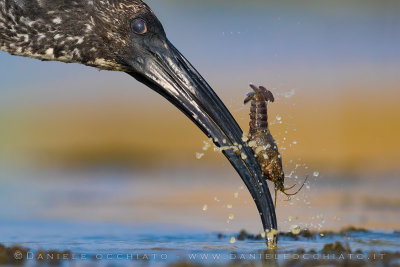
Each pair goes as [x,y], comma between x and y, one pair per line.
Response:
[125,35]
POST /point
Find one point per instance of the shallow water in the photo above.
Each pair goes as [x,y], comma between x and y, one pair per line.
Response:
[176,196]
[119,217]
[164,244]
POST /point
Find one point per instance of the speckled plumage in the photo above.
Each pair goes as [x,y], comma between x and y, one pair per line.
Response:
[91,32]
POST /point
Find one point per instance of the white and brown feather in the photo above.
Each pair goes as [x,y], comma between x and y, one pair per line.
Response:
[91,32]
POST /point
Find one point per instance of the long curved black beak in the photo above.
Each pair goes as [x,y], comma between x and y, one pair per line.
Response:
[171,75]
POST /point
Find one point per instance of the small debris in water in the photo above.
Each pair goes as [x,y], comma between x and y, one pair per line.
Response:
[231,216]
[352,229]
[244,235]
[236,195]
[233,240]
[243,156]
[316,174]
[335,248]
[278,118]
[205,207]
[229,206]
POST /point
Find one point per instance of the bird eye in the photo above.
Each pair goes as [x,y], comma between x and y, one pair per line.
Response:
[139,26]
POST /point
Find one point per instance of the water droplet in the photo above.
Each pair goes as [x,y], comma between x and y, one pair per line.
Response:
[316,174]
[233,240]
[244,137]
[294,142]
[231,216]
[229,206]
[278,117]
[252,144]
[290,93]
[236,194]
[295,229]
[205,207]
[207,144]
[199,155]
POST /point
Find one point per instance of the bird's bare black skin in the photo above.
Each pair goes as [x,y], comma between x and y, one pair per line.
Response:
[102,34]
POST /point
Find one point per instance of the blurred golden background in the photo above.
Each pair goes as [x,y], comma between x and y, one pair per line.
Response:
[343,127]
